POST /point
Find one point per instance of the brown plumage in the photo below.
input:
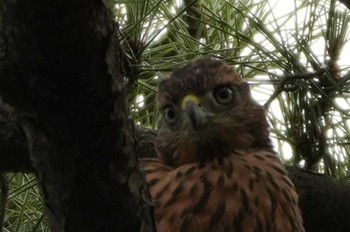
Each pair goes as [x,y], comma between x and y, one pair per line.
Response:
[216,169]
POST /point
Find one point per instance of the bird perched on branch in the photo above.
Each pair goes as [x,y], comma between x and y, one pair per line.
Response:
[216,169]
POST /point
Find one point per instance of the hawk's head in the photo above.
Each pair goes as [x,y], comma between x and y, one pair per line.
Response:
[207,112]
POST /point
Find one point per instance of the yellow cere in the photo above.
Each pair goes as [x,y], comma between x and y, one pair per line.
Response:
[193,98]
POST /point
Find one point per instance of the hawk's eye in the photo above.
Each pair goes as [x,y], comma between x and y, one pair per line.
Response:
[223,95]
[170,115]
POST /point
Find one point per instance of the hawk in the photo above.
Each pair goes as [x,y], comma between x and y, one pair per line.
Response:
[216,168]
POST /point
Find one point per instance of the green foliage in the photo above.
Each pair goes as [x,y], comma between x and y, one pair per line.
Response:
[290,54]
[24,211]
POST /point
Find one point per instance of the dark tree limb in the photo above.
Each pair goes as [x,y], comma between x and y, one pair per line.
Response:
[61,72]
[324,201]
[346,3]
[14,156]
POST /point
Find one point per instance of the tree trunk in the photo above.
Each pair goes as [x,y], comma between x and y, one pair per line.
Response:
[61,71]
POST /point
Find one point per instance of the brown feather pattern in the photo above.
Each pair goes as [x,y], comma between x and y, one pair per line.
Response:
[222,176]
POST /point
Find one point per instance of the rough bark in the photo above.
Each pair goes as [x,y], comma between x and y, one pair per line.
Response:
[14,156]
[60,70]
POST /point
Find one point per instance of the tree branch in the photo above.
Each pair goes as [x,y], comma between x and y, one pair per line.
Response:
[324,201]
[14,156]
[288,79]
[62,70]
[346,3]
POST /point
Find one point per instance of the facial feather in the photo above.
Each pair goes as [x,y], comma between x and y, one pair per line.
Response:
[239,125]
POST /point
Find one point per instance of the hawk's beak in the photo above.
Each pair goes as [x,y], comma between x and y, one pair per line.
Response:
[190,98]
[191,104]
